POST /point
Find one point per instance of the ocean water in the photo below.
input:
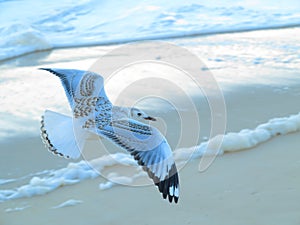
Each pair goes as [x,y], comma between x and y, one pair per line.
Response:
[39,25]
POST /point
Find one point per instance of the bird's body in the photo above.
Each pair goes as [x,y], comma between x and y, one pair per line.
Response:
[94,113]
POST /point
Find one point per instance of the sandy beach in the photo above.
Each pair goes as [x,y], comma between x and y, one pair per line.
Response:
[259,185]
[256,186]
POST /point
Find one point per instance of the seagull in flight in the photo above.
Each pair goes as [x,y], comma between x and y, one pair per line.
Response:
[94,113]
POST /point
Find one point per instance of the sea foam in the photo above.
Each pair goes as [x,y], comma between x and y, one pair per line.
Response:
[16,209]
[70,202]
[19,39]
[77,172]
[246,138]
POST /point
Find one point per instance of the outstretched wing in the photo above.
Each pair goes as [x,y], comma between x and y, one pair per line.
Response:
[61,135]
[151,150]
[84,90]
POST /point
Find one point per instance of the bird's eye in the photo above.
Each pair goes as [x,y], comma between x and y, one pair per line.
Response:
[139,114]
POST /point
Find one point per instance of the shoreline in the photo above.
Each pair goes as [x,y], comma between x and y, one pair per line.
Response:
[157,38]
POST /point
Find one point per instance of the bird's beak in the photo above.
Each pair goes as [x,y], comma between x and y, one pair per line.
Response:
[150,118]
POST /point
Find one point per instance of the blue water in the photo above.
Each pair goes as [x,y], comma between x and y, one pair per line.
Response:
[38,25]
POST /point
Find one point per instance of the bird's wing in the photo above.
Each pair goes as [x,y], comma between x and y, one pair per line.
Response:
[84,90]
[151,150]
[61,136]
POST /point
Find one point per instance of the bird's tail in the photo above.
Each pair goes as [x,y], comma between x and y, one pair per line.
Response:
[61,135]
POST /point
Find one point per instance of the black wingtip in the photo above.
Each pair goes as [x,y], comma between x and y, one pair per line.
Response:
[176,199]
[47,69]
[53,72]
[170,198]
[171,181]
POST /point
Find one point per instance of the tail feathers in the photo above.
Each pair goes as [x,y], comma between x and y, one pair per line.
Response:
[61,136]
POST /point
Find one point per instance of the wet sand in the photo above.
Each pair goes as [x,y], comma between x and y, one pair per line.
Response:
[255,186]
